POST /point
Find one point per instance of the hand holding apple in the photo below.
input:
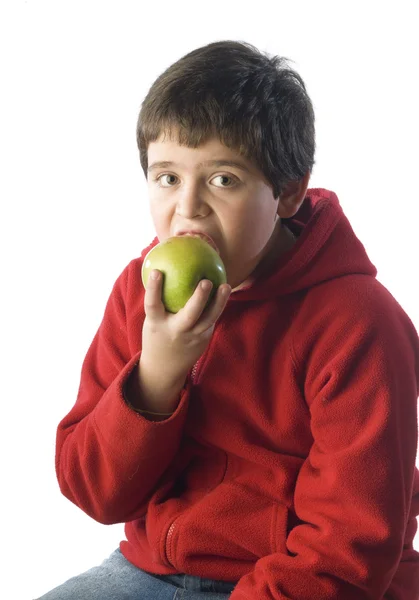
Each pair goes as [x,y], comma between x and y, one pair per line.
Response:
[173,342]
[184,262]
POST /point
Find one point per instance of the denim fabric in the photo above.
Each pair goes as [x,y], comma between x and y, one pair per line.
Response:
[118,579]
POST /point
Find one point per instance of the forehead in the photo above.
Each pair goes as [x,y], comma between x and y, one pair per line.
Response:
[211,153]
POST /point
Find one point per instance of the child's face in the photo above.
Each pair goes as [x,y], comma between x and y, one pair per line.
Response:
[234,206]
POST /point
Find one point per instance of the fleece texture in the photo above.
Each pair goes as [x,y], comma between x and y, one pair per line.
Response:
[289,464]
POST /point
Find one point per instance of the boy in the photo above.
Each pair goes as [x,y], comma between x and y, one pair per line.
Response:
[263,448]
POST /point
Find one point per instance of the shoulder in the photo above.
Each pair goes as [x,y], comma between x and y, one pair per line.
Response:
[348,312]
[128,291]
[350,298]
[129,281]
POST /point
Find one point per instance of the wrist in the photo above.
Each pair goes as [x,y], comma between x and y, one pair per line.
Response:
[163,373]
[147,390]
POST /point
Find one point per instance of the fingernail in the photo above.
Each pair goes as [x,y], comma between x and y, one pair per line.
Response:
[155,274]
[206,285]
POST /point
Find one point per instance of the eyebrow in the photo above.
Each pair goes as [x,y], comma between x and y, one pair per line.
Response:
[164,164]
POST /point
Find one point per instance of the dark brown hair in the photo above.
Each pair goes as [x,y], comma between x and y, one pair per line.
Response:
[255,104]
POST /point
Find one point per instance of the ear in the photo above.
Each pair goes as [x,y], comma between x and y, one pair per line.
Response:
[292,197]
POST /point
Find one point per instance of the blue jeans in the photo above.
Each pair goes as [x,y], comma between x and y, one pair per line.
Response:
[117,579]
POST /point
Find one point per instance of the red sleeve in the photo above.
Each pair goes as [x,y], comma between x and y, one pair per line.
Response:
[108,457]
[353,494]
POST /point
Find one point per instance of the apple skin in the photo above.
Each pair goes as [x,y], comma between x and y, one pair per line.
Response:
[184,262]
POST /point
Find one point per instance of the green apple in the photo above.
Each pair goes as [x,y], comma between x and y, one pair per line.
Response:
[184,261]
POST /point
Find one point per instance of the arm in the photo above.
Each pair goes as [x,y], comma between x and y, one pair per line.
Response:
[353,494]
[108,457]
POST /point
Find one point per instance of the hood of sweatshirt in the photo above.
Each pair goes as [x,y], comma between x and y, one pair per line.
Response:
[326,248]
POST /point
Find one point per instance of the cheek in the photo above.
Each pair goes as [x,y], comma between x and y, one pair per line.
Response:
[161,219]
[253,230]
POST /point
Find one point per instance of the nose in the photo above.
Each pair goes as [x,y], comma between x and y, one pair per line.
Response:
[190,202]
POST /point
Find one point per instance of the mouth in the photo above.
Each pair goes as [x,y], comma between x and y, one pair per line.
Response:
[201,235]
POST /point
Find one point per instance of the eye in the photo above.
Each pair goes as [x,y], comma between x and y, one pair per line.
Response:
[230,181]
[167,180]
[160,179]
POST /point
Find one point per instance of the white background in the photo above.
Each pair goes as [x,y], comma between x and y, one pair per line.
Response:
[74,205]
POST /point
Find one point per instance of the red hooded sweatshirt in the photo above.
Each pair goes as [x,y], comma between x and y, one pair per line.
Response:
[289,465]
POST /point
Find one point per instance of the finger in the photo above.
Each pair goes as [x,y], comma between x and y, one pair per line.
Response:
[193,309]
[215,309]
[153,304]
